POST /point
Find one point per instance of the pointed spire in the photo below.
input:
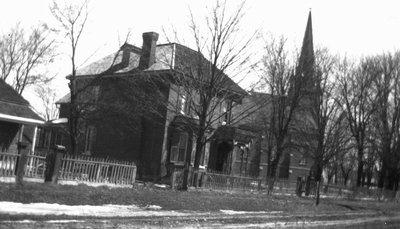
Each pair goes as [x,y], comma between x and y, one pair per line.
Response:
[307,59]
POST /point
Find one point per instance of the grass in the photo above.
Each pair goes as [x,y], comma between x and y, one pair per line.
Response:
[178,200]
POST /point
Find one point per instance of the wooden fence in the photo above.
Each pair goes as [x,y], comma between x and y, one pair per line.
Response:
[34,168]
[215,180]
[96,170]
[224,181]
[8,162]
[82,169]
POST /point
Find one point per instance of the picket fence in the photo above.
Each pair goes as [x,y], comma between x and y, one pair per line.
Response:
[81,169]
[34,168]
[97,170]
[223,181]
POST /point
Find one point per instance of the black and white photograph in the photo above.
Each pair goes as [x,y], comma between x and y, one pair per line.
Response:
[199,114]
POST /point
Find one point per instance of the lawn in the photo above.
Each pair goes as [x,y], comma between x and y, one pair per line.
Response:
[198,200]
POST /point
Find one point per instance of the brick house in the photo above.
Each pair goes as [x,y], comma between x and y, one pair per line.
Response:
[18,121]
[149,122]
[154,139]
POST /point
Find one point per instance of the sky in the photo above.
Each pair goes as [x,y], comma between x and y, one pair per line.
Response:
[354,28]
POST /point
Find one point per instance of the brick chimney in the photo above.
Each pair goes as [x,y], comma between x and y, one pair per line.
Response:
[148,56]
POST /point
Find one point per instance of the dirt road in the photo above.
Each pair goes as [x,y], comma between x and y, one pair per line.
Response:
[221,219]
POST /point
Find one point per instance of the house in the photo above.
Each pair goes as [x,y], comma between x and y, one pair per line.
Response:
[133,108]
[18,121]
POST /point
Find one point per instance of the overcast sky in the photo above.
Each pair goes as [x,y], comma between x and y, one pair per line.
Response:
[352,28]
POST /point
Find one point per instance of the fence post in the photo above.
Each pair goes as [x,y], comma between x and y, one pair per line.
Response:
[299,185]
[134,173]
[53,164]
[21,162]
[204,179]
[57,165]
[173,178]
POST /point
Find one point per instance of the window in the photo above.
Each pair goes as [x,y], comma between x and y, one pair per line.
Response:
[89,95]
[89,139]
[183,102]
[95,92]
[303,160]
[226,110]
[178,151]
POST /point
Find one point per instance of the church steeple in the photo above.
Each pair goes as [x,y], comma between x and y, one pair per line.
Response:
[305,68]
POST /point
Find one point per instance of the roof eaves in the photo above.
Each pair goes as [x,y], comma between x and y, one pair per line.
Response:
[21,120]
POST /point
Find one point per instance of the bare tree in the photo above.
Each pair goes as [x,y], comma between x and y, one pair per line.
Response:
[47,96]
[72,19]
[385,70]
[278,79]
[347,161]
[359,102]
[324,132]
[204,81]
[24,55]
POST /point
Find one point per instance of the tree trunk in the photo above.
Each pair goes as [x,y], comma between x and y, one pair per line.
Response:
[382,175]
[73,117]
[360,168]
[317,193]
[199,151]
[345,178]
[272,175]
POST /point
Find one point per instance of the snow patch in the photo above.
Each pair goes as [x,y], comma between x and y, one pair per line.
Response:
[153,207]
[232,212]
[84,210]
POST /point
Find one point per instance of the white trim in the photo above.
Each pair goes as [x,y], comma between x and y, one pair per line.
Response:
[173,56]
[300,168]
[34,140]
[20,120]
[59,121]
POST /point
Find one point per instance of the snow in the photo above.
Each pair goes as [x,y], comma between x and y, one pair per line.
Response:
[232,212]
[38,209]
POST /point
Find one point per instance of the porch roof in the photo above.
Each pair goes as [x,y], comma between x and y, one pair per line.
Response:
[14,108]
[233,133]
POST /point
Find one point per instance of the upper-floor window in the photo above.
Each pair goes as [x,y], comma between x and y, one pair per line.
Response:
[95,91]
[89,95]
[226,112]
[183,101]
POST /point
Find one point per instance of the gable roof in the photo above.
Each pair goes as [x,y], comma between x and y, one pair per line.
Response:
[14,108]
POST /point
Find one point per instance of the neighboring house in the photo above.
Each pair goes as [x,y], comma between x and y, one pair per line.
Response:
[18,122]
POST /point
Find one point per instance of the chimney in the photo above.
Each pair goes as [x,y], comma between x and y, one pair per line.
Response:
[148,56]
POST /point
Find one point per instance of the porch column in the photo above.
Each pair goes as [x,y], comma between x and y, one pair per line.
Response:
[206,154]
[34,140]
[21,132]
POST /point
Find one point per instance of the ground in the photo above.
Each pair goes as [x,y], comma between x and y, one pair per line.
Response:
[64,206]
